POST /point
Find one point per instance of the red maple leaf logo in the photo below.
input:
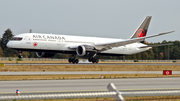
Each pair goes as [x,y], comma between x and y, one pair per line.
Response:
[35,44]
[140,33]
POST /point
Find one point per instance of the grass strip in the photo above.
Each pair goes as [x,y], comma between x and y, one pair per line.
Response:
[16,68]
[80,76]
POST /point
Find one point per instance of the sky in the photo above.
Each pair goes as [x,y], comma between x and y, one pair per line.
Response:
[97,18]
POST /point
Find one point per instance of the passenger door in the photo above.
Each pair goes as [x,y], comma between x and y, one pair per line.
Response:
[59,41]
[28,40]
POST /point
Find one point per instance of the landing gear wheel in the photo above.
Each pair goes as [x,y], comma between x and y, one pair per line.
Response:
[94,60]
[74,61]
[20,56]
[90,59]
[97,60]
[77,60]
[70,60]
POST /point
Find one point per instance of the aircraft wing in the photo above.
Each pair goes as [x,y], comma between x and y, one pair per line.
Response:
[110,45]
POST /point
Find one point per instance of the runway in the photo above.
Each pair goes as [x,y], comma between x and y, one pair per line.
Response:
[85,72]
[176,64]
[44,86]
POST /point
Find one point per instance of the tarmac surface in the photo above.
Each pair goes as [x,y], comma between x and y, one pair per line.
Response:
[85,85]
[93,64]
[86,72]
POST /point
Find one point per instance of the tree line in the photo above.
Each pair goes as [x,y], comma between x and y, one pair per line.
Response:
[156,53]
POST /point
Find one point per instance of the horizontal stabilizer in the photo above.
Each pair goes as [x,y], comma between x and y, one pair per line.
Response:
[157,45]
[110,45]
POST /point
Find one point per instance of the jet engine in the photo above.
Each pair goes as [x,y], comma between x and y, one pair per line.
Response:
[44,54]
[84,50]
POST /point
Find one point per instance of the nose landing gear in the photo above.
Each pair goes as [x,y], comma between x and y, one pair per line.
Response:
[20,54]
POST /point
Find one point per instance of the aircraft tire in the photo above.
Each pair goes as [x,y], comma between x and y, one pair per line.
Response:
[69,60]
[97,60]
[77,60]
[20,56]
[74,62]
[91,59]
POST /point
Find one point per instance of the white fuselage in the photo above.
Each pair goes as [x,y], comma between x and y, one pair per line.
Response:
[55,42]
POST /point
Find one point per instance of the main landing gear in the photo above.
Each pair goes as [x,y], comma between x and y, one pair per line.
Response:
[20,56]
[73,59]
[93,59]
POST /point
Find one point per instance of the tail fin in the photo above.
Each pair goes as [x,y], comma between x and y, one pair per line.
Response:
[142,29]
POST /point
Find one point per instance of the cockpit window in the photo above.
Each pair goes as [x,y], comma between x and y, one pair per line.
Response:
[17,38]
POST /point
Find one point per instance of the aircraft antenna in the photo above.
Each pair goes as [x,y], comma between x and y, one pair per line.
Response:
[30,31]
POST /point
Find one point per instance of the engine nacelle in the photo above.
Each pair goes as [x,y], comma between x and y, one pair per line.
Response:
[82,50]
[44,54]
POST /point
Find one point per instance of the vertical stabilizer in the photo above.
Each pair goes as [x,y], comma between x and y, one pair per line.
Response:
[142,29]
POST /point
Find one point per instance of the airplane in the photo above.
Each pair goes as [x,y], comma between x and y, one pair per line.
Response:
[47,45]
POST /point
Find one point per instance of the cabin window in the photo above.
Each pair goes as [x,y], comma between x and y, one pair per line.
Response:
[17,38]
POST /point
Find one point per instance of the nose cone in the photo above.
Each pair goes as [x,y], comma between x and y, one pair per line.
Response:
[9,44]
